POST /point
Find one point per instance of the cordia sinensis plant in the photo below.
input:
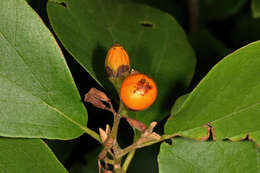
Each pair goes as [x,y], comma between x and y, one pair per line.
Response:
[139,72]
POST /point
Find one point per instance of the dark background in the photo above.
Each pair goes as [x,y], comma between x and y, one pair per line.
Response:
[214,28]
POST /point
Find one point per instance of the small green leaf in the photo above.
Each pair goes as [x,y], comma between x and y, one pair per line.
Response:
[197,157]
[156,44]
[255,6]
[38,95]
[228,98]
[27,156]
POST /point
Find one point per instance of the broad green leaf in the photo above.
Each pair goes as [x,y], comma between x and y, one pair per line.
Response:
[255,6]
[211,157]
[155,42]
[255,136]
[228,98]
[38,95]
[178,104]
[220,9]
[27,156]
[200,133]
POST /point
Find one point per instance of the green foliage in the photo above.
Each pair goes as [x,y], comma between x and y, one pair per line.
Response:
[255,6]
[220,156]
[27,155]
[156,44]
[227,98]
[39,98]
[38,95]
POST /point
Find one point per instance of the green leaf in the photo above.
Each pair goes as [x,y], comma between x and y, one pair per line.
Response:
[178,103]
[200,133]
[255,6]
[38,95]
[27,156]
[156,44]
[239,137]
[228,98]
[255,136]
[193,156]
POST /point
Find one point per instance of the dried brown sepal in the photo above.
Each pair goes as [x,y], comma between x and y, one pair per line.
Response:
[93,92]
[110,73]
[95,97]
[123,69]
[94,101]
[136,124]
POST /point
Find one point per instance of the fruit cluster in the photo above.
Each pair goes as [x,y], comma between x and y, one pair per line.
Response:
[137,91]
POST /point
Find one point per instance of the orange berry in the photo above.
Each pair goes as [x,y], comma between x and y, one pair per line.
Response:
[117,61]
[138,91]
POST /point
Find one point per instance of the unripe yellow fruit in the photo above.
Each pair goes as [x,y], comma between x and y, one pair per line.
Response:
[117,61]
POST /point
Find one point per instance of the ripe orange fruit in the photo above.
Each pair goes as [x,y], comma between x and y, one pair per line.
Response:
[117,61]
[138,91]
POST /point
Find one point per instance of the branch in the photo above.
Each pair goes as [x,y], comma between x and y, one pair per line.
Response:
[194,15]
[92,133]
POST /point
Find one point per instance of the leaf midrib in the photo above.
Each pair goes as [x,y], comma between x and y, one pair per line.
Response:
[45,103]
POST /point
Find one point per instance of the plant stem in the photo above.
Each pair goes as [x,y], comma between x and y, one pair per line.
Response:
[92,134]
[131,154]
[128,160]
[114,131]
[194,15]
[135,145]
